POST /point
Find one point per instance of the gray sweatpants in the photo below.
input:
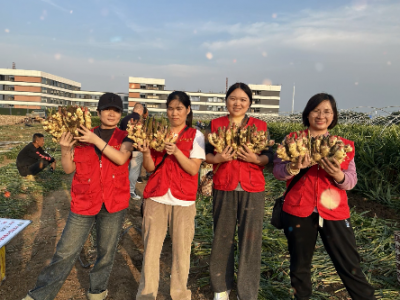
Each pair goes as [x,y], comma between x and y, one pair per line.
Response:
[246,210]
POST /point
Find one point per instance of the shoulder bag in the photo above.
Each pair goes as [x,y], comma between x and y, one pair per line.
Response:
[276,218]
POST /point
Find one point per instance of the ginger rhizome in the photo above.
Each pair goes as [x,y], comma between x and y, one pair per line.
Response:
[236,137]
[67,119]
[318,147]
[156,132]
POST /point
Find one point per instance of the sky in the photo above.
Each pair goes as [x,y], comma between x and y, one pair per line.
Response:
[347,48]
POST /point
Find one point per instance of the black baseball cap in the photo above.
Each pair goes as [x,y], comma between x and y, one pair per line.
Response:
[110,100]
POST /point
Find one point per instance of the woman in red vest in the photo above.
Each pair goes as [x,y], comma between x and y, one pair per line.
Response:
[170,196]
[318,203]
[238,198]
[100,193]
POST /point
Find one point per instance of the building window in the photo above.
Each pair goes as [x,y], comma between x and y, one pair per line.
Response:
[143,86]
[210,99]
[194,98]
[220,100]
[153,105]
[209,107]
[6,78]
[8,97]
[195,107]
[143,96]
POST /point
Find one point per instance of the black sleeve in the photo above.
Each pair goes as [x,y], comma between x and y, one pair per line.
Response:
[269,153]
[209,147]
[126,139]
[124,123]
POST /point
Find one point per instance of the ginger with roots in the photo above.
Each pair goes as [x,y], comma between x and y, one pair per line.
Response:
[67,119]
[317,147]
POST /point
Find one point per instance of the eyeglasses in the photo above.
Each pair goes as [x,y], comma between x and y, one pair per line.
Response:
[325,113]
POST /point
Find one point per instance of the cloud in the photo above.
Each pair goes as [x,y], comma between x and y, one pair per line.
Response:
[50,2]
[375,24]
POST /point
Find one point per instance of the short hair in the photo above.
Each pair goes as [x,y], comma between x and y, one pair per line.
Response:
[244,87]
[37,136]
[138,106]
[314,102]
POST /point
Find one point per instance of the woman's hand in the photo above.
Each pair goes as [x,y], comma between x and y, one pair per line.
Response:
[144,148]
[226,155]
[67,141]
[87,135]
[333,169]
[171,148]
[302,163]
[245,154]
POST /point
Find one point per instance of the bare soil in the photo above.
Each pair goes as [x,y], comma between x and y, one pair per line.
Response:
[31,250]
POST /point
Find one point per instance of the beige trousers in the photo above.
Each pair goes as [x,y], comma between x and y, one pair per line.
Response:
[157,218]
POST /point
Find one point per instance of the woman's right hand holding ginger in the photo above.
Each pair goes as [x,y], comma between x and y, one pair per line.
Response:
[226,155]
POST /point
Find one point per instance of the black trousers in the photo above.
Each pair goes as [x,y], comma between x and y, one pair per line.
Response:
[339,241]
[33,169]
[246,210]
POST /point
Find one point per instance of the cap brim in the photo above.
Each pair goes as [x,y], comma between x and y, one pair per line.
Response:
[107,106]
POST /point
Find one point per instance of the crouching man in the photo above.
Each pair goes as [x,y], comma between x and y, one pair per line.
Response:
[32,159]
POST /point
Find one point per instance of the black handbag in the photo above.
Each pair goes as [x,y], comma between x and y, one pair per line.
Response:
[276,218]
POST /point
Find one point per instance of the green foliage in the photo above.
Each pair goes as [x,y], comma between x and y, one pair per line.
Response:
[22,191]
[375,240]
[377,157]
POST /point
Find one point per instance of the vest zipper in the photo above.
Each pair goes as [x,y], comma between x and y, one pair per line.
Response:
[316,194]
[101,183]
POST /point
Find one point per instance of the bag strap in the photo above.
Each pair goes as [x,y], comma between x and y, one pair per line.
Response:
[295,180]
[166,154]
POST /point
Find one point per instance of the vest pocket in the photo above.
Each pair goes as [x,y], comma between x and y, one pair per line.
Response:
[82,164]
[82,199]
[222,177]
[120,187]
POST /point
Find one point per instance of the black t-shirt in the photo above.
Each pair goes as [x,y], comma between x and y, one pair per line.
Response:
[124,122]
[30,155]
[105,135]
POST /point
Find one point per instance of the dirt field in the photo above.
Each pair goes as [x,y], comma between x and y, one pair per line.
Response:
[10,120]
[31,250]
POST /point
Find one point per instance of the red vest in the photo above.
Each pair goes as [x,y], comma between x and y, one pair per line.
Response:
[306,193]
[94,185]
[230,173]
[170,174]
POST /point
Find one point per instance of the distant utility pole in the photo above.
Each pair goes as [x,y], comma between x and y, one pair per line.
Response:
[293,98]
[226,88]
[13,65]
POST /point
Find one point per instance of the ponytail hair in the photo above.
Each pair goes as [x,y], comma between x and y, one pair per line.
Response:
[183,98]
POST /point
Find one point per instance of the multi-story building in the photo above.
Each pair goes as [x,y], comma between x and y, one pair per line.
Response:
[152,93]
[35,90]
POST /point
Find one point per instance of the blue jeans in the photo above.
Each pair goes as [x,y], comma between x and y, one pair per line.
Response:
[135,167]
[76,232]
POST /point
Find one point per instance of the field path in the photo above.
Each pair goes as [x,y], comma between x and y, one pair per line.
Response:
[31,250]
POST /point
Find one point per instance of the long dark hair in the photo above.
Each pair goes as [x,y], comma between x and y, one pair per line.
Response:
[314,102]
[183,98]
[244,87]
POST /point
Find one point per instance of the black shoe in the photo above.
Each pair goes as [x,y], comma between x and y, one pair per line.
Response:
[139,180]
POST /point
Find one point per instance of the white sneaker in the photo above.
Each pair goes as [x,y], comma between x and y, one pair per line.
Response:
[222,295]
[100,296]
[135,197]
